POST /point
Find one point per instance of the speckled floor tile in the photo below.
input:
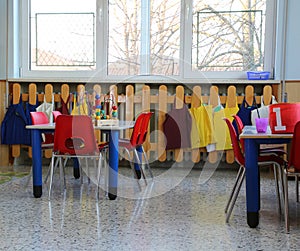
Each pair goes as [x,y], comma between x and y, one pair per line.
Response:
[174,212]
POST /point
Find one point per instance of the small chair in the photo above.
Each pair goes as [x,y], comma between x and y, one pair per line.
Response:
[56,114]
[38,118]
[71,141]
[274,160]
[136,141]
[292,168]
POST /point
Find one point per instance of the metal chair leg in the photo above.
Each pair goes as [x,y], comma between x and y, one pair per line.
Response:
[132,167]
[275,167]
[286,203]
[297,187]
[239,185]
[99,174]
[140,165]
[51,177]
[234,187]
[147,162]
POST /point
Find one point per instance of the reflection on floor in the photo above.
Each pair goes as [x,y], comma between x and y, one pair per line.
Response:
[179,210]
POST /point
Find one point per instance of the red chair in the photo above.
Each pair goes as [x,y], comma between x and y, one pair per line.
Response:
[71,141]
[274,160]
[56,114]
[39,118]
[292,168]
[136,141]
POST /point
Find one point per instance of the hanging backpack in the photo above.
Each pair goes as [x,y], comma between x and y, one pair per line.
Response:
[13,131]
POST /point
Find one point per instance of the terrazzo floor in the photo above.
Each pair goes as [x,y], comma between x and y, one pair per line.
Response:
[176,211]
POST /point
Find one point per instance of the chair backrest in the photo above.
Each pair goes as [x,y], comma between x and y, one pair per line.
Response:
[238,155]
[55,114]
[39,118]
[239,123]
[144,127]
[140,129]
[74,135]
[240,127]
[294,159]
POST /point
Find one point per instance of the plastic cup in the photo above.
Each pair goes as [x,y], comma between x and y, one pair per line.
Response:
[261,124]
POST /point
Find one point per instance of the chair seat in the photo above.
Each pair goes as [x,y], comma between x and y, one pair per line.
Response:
[126,144]
[292,171]
[47,146]
[271,158]
[102,145]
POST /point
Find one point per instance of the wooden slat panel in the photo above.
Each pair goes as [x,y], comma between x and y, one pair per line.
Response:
[16,149]
[231,103]
[162,110]
[162,100]
[4,149]
[129,108]
[267,95]
[196,102]
[179,103]
[65,92]
[32,89]
[249,94]
[48,99]
[214,101]
[146,108]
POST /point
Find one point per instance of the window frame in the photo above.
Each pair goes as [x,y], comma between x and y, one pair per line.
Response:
[100,74]
[269,46]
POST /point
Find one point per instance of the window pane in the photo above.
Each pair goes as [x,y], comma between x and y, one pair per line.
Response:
[124,37]
[63,35]
[228,35]
[160,39]
[165,37]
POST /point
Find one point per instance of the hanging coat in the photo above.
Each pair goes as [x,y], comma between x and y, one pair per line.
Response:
[13,131]
[177,128]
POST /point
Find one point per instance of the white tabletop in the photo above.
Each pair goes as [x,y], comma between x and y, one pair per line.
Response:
[250,132]
[121,126]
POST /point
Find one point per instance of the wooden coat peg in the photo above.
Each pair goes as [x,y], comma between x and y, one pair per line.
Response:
[267,95]
[32,100]
[196,102]
[214,101]
[179,103]
[16,149]
[49,99]
[231,103]
[162,110]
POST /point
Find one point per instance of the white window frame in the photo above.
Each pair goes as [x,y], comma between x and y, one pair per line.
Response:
[25,71]
[100,74]
[187,47]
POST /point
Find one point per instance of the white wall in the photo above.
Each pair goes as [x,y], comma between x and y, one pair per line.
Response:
[293,41]
[3,38]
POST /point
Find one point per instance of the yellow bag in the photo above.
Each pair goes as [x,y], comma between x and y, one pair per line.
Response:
[202,130]
[221,132]
[80,107]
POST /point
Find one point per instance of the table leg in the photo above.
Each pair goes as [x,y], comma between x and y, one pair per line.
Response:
[252,182]
[113,164]
[36,163]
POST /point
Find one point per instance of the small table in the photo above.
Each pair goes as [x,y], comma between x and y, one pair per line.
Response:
[252,144]
[113,132]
